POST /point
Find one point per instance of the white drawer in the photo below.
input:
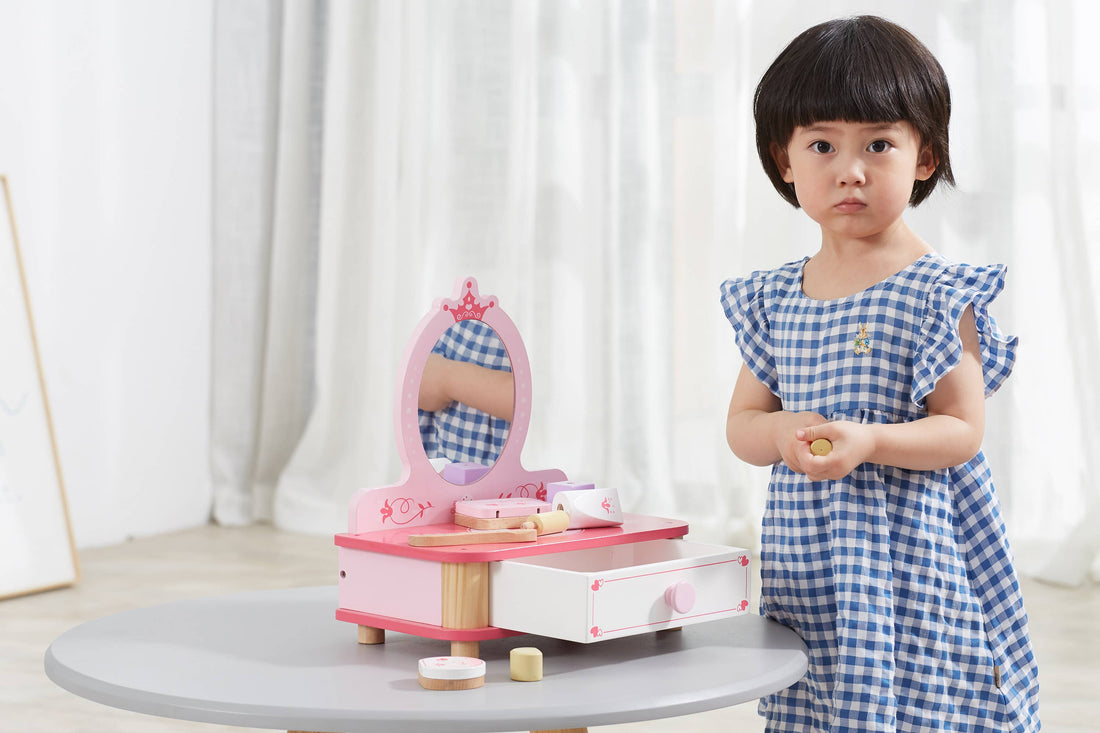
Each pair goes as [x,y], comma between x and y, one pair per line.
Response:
[608,592]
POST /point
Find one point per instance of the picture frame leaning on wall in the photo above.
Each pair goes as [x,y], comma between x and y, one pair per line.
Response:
[37,551]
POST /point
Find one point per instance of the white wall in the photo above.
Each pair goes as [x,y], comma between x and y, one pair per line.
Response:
[105,136]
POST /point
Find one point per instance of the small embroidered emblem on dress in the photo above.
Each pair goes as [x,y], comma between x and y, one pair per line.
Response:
[862,342]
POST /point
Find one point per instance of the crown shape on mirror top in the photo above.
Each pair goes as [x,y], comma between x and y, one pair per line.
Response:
[469,306]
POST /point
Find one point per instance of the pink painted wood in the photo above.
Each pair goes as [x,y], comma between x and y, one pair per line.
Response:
[421,496]
[388,585]
[497,508]
[428,631]
[635,528]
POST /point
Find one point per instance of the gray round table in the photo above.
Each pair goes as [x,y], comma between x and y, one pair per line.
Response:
[278,659]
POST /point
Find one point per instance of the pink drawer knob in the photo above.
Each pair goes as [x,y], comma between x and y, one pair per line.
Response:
[680,596]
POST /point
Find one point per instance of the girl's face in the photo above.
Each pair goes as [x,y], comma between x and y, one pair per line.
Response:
[855,178]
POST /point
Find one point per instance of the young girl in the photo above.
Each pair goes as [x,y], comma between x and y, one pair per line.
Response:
[882,545]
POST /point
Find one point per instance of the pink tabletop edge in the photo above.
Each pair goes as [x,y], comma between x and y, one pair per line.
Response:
[635,528]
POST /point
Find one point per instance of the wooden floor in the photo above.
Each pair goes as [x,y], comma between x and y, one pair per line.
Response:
[1065,626]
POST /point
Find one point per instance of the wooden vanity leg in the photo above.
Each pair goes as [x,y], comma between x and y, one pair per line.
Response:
[465,649]
[371,635]
[465,601]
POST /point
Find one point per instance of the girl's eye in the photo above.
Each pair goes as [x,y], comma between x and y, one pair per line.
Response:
[822,147]
[879,146]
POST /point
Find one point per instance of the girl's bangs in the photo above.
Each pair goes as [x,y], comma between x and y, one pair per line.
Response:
[858,93]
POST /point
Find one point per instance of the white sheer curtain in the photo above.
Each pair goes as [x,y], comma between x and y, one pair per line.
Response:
[592,165]
[105,142]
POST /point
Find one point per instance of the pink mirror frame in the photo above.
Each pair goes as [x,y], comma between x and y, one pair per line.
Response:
[421,495]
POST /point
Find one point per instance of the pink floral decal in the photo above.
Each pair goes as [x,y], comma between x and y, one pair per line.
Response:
[743,561]
[596,632]
[403,507]
[525,491]
[597,584]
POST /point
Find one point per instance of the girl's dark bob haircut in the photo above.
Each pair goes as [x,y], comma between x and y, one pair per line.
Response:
[861,69]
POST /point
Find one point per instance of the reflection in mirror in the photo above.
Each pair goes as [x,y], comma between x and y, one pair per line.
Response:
[466,395]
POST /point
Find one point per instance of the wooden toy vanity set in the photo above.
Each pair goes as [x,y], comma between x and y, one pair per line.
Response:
[471,553]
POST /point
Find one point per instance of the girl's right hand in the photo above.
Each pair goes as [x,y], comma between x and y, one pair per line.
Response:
[792,450]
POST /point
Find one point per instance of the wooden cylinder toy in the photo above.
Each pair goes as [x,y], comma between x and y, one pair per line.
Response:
[451,673]
[550,522]
[525,664]
[821,447]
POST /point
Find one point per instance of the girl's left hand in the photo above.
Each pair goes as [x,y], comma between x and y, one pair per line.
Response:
[852,442]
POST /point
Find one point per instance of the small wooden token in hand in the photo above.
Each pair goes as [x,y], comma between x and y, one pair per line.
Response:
[821,447]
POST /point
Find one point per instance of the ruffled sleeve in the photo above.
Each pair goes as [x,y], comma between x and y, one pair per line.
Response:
[939,348]
[743,302]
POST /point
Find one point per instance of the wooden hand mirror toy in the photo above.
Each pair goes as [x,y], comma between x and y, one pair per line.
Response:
[485,549]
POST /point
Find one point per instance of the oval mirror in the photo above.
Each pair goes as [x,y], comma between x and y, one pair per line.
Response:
[422,495]
[467,395]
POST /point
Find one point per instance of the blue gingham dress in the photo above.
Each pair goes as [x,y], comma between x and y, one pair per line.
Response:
[900,582]
[458,432]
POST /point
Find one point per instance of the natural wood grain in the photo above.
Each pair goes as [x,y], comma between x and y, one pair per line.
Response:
[371,635]
[473,538]
[550,522]
[466,649]
[465,601]
[465,520]
[432,684]
[465,594]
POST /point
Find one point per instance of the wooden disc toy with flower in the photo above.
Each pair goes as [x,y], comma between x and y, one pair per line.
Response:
[451,673]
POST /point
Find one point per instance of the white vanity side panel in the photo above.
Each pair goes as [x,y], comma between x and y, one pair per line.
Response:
[588,606]
[388,585]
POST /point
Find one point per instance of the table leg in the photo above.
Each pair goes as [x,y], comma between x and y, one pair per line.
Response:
[371,635]
[465,601]
[466,649]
